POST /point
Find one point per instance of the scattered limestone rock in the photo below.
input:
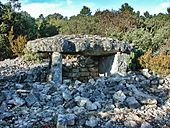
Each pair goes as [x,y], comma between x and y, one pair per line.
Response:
[66,120]
[146,125]
[91,104]
[67,95]
[31,99]
[119,96]
[92,122]
[131,124]
[81,101]
[132,102]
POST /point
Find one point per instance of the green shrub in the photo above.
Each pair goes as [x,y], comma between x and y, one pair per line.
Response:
[165,49]
[133,61]
[141,38]
[80,25]
[4,47]
[30,56]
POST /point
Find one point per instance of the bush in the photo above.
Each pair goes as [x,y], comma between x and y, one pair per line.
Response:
[165,49]
[17,45]
[29,56]
[4,47]
[145,59]
[141,38]
[161,64]
[80,25]
[158,63]
[133,61]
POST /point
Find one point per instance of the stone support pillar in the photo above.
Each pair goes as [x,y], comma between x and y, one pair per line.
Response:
[56,68]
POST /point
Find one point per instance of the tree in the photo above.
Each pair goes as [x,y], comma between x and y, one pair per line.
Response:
[4,47]
[146,14]
[85,11]
[126,8]
[15,4]
[55,16]
[45,29]
[25,25]
[168,10]
[138,13]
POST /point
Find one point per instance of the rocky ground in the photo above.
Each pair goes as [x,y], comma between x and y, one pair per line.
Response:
[20,71]
[130,101]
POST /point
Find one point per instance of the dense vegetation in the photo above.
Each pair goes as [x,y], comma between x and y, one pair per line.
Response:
[144,30]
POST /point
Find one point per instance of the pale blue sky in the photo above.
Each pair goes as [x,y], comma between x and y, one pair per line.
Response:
[73,7]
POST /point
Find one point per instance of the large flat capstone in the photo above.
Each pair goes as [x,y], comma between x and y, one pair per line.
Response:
[82,44]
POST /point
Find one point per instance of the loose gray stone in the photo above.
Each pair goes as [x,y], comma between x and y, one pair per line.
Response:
[146,73]
[71,118]
[119,96]
[79,110]
[6,115]
[67,81]
[3,123]
[70,104]
[16,101]
[131,124]
[146,125]
[155,82]
[48,119]
[66,120]
[19,86]
[8,94]
[161,81]
[31,99]
[138,93]
[91,106]
[57,100]
[77,83]
[81,101]
[108,124]
[94,98]
[91,81]
[98,105]
[67,95]
[92,122]
[132,102]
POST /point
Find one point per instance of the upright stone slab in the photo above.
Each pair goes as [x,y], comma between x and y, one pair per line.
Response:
[56,68]
[120,64]
[114,64]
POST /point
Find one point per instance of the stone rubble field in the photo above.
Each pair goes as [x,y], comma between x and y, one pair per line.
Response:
[132,101]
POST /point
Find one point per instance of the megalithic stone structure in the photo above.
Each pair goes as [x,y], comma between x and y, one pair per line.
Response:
[111,54]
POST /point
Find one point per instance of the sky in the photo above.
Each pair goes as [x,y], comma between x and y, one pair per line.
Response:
[72,7]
